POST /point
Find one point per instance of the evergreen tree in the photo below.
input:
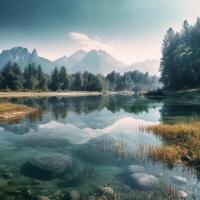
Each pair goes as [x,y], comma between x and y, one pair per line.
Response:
[54,84]
[64,79]
[30,77]
[11,77]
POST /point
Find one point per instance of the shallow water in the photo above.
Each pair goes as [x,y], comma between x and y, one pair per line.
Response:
[102,136]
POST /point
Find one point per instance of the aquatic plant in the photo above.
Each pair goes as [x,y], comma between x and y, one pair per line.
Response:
[183,142]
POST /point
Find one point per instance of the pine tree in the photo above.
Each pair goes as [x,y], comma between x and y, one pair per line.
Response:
[54,84]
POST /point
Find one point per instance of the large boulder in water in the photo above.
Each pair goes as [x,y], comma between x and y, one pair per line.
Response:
[145,180]
[47,166]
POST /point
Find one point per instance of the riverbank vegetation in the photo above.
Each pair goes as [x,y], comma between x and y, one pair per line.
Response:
[9,111]
[32,78]
[183,142]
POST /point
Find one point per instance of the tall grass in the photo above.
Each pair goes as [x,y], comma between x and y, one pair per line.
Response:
[182,140]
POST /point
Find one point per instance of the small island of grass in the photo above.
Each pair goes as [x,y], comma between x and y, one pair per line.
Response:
[9,111]
[183,143]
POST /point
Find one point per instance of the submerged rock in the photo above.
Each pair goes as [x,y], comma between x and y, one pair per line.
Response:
[105,193]
[180,179]
[46,166]
[72,195]
[145,180]
[183,194]
[136,168]
[43,198]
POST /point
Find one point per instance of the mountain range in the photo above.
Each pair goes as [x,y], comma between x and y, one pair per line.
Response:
[94,61]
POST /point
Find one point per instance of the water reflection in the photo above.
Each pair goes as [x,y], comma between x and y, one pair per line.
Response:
[102,136]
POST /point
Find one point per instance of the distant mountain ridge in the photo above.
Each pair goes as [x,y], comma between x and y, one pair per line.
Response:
[23,57]
[94,61]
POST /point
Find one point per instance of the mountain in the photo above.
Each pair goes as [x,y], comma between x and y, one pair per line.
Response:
[98,62]
[95,61]
[23,57]
[17,54]
[70,61]
[46,64]
[149,65]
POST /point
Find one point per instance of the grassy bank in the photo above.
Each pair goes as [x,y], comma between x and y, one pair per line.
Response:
[183,143]
[9,111]
[46,94]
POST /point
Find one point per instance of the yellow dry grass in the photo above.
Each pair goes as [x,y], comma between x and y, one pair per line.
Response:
[10,111]
[183,140]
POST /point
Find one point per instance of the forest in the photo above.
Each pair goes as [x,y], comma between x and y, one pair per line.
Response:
[180,63]
[32,78]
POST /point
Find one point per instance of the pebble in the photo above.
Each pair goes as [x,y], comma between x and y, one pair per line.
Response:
[43,197]
[183,194]
[180,179]
[145,180]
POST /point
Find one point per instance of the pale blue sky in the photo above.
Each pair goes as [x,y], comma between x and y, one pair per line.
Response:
[131,30]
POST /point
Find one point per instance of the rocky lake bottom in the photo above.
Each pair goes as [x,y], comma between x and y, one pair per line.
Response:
[91,148]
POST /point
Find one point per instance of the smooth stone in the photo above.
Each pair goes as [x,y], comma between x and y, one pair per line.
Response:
[43,197]
[3,183]
[183,194]
[72,195]
[136,168]
[145,180]
[57,193]
[180,179]
[107,191]
[47,166]
[161,174]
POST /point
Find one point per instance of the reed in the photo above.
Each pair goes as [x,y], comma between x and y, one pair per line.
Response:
[182,140]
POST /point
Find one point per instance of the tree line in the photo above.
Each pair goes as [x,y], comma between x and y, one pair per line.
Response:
[32,78]
[180,63]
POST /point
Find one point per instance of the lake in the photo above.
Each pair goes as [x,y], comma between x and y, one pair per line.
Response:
[102,137]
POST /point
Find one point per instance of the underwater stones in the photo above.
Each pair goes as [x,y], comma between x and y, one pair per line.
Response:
[3,183]
[145,180]
[182,194]
[107,191]
[179,179]
[72,195]
[42,198]
[136,168]
[46,166]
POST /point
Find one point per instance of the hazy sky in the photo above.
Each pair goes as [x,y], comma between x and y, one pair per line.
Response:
[131,30]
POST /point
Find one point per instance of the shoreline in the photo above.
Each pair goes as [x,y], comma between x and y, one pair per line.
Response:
[9,111]
[48,94]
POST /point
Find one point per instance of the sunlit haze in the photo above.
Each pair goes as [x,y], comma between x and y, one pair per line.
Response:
[130,30]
